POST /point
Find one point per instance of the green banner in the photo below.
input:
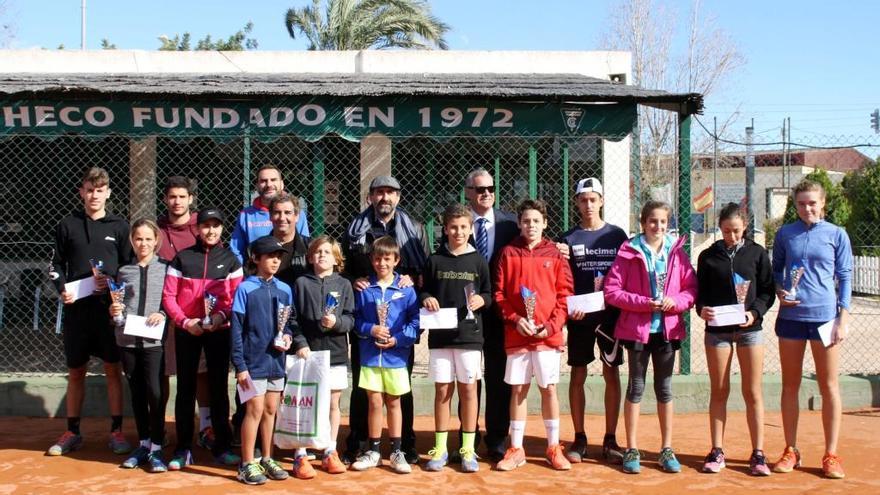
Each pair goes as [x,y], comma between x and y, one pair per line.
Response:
[312,118]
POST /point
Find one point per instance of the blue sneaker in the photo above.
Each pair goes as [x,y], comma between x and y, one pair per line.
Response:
[138,457]
[437,461]
[632,461]
[180,460]
[469,461]
[155,462]
[668,462]
[228,459]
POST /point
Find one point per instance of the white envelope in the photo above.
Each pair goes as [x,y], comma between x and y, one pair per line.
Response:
[732,314]
[246,395]
[444,318]
[588,303]
[136,326]
[826,330]
[81,288]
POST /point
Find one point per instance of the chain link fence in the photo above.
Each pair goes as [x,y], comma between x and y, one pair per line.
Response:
[41,177]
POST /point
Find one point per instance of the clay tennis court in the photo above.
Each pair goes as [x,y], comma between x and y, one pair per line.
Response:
[94,470]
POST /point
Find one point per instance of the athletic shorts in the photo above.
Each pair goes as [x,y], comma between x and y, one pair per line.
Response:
[87,332]
[391,381]
[338,377]
[798,330]
[262,385]
[543,365]
[455,365]
[171,358]
[583,336]
[729,339]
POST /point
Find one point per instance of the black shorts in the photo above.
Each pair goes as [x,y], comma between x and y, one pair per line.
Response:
[583,336]
[87,332]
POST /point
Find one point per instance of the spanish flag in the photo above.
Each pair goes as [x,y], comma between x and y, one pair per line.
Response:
[704,200]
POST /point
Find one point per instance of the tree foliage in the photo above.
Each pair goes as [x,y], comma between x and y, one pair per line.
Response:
[862,188]
[366,24]
[106,45]
[235,42]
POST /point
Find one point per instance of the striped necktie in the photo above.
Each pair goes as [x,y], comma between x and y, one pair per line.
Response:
[482,238]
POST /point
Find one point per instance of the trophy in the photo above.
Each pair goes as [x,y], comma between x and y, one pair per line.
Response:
[660,284]
[741,286]
[598,281]
[281,322]
[97,268]
[530,299]
[210,301]
[330,305]
[795,273]
[117,295]
[382,316]
[468,292]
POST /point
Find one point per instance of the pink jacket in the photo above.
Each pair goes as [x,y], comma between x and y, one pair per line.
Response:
[628,288]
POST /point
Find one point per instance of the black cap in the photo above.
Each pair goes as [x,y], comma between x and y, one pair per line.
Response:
[208,214]
[384,181]
[266,245]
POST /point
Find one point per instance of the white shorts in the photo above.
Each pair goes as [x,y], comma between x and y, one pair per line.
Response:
[338,377]
[262,385]
[543,365]
[455,365]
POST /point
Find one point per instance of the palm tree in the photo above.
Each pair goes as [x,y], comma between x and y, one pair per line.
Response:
[365,24]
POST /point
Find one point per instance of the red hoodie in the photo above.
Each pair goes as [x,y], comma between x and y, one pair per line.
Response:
[176,238]
[543,270]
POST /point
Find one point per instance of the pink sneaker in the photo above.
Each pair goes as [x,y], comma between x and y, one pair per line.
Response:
[714,462]
[758,464]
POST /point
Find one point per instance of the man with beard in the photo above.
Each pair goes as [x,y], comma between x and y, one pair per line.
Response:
[178,231]
[254,221]
[382,218]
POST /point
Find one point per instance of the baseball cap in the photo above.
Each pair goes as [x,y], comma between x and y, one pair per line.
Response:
[208,214]
[590,184]
[384,181]
[266,245]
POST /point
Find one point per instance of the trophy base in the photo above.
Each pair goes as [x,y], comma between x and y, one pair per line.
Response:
[790,298]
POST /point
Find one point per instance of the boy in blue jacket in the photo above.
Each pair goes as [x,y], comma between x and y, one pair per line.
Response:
[387,322]
[259,358]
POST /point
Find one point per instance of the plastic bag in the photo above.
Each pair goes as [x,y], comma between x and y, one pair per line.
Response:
[303,419]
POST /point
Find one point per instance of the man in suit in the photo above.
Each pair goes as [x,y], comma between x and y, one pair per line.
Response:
[493,229]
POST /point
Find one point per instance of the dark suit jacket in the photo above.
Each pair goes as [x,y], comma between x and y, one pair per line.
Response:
[506,230]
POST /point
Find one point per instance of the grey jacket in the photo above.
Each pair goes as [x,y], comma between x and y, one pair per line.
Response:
[143,296]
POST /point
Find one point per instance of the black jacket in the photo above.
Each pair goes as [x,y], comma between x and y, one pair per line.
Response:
[715,268]
[446,276]
[78,239]
[309,294]
[357,249]
[293,261]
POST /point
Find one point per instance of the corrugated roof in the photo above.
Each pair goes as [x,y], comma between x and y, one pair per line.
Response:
[538,87]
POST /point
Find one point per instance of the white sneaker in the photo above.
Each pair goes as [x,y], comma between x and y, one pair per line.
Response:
[399,464]
[367,460]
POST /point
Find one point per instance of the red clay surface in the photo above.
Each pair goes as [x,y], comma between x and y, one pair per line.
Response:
[94,470]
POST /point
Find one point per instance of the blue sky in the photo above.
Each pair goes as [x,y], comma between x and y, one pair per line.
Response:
[814,61]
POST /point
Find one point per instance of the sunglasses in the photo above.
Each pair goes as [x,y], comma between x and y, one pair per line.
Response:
[483,189]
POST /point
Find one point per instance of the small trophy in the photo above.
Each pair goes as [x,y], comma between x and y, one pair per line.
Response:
[382,316]
[330,305]
[117,295]
[795,274]
[210,301]
[530,299]
[468,293]
[280,323]
[598,281]
[741,286]
[97,268]
[660,282]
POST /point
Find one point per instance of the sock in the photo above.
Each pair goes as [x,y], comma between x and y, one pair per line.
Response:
[204,418]
[156,447]
[300,453]
[517,430]
[440,441]
[395,444]
[374,444]
[73,424]
[331,448]
[582,436]
[467,440]
[145,443]
[552,427]
[115,423]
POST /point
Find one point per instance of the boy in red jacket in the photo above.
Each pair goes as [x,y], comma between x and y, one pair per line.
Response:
[532,283]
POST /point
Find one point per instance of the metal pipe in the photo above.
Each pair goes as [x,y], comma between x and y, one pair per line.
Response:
[82,41]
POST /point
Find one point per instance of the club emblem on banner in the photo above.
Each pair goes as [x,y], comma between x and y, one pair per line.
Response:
[572,118]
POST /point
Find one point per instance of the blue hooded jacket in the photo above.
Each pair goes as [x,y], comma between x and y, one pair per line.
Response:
[403,320]
[254,317]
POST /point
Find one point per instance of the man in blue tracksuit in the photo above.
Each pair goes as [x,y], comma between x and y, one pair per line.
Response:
[254,221]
